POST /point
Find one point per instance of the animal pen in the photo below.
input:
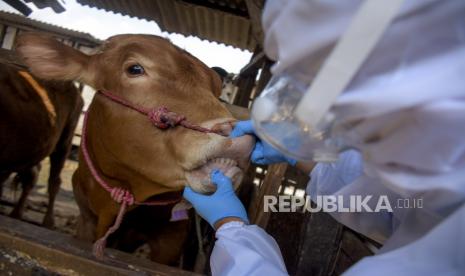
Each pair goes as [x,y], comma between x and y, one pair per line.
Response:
[311,243]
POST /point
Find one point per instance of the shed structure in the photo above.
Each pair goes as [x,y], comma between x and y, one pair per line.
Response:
[311,243]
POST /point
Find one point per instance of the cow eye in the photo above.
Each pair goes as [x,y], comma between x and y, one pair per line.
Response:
[135,70]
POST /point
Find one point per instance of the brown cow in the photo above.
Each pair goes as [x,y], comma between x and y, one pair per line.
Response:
[126,149]
[37,119]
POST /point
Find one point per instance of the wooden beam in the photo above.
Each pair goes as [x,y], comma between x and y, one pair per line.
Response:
[19,6]
[53,4]
[10,57]
[255,8]
[26,248]
[254,64]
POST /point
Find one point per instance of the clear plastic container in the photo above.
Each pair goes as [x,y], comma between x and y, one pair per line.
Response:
[275,122]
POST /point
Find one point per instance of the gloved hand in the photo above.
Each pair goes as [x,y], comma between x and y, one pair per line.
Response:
[223,203]
[263,153]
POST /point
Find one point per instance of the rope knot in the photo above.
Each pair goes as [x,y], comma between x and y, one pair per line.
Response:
[121,195]
[163,118]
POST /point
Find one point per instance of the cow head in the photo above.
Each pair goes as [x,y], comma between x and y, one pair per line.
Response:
[148,71]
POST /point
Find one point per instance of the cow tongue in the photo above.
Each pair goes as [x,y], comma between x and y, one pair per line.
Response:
[199,179]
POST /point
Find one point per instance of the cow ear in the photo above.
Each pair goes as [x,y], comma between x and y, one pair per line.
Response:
[50,59]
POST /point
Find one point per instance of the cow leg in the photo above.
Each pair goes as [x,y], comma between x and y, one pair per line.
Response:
[28,178]
[104,222]
[92,224]
[3,177]
[87,220]
[167,244]
[57,161]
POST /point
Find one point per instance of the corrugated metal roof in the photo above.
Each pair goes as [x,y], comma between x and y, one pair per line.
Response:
[13,19]
[222,21]
[42,4]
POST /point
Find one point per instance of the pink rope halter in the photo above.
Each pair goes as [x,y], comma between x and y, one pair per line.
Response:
[161,118]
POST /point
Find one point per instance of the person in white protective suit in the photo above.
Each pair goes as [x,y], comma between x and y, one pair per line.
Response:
[406,105]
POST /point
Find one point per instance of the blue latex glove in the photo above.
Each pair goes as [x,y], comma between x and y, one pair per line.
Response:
[263,153]
[223,203]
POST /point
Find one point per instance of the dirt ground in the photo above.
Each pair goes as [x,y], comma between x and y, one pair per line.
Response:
[66,210]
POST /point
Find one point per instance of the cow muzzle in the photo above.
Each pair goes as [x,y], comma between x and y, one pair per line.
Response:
[231,156]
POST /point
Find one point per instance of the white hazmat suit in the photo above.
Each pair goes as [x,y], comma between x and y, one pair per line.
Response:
[406,108]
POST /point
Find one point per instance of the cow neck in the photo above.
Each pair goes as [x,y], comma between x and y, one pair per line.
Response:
[161,118]
[118,194]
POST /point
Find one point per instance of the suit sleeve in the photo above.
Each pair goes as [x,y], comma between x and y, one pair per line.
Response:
[245,250]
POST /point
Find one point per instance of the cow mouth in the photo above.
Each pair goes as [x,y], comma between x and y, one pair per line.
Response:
[199,179]
[231,158]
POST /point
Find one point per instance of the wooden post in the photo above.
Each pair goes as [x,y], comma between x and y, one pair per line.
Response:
[245,86]
[270,186]
[319,245]
[265,76]
[246,79]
